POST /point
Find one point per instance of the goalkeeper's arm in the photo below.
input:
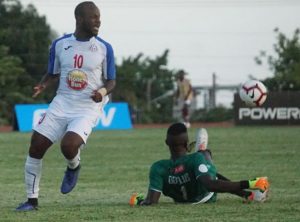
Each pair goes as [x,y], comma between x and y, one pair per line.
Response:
[152,198]
[223,186]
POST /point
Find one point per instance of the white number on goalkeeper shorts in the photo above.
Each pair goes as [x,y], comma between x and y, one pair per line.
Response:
[184,193]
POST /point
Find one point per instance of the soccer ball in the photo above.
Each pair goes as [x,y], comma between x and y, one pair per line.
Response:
[253,93]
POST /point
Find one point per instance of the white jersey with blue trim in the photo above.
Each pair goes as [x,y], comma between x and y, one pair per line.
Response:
[82,65]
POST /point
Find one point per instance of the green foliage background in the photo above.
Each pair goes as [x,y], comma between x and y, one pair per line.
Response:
[285,64]
[26,36]
[142,79]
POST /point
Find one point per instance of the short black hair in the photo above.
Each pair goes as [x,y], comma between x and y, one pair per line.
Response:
[79,8]
[176,129]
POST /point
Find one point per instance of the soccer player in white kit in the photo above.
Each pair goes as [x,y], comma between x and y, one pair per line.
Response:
[85,67]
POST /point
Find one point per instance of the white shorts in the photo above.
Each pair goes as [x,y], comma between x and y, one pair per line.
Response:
[182,103]
[54,127]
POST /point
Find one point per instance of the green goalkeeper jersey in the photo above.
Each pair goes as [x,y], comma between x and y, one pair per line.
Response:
[178,179]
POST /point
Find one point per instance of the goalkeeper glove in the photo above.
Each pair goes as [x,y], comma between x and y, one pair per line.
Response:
[136,199]
[259,183]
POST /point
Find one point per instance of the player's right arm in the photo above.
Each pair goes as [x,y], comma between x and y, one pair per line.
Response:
[221,186]
[155,184]
[53,71]
[44,83]
[208,180]
[152,198]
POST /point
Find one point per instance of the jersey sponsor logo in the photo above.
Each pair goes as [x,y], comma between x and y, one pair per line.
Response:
[179,169]
[69,46]
[203,168]
[77,80]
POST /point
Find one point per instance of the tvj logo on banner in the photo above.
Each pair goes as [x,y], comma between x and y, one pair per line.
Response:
[114,116]
[106,117]
[281,108]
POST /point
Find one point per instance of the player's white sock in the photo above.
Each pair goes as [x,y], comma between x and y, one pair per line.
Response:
[33,172]
[72,164]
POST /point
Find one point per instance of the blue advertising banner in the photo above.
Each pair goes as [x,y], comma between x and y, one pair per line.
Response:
[115,116]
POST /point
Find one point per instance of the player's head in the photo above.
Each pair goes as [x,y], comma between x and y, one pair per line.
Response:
[181,74]
[177,138]
[87,17]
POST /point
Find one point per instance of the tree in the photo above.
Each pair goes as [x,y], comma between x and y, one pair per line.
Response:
[14,85]
[285,65]
[25,39]
[26,34]
[140,81]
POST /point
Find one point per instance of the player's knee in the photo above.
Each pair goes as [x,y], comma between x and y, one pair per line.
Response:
[70,144]
[36,152]
[38,146]
[69,149]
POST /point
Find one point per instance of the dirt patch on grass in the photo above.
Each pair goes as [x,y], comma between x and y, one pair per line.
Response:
[6,128]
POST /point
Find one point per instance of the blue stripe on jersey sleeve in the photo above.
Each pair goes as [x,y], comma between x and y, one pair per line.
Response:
[51,59]
[110,60]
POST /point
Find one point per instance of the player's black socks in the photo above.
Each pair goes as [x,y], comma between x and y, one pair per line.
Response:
[33,201]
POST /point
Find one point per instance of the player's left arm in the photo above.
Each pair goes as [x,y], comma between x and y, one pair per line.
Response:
[220,186]
[46,81]
[109,85]
[108,77]
[106,89]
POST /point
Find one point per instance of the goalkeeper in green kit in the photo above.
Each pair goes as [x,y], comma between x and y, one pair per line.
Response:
[193,178]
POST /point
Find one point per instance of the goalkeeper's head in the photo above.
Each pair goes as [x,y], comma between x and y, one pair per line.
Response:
[177,139]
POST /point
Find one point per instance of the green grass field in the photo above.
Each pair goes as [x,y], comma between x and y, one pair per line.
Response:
[116,163]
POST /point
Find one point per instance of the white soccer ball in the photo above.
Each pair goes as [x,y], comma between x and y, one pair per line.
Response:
[253,93]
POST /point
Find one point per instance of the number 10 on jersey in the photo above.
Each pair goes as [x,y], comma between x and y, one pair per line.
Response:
[78,61]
